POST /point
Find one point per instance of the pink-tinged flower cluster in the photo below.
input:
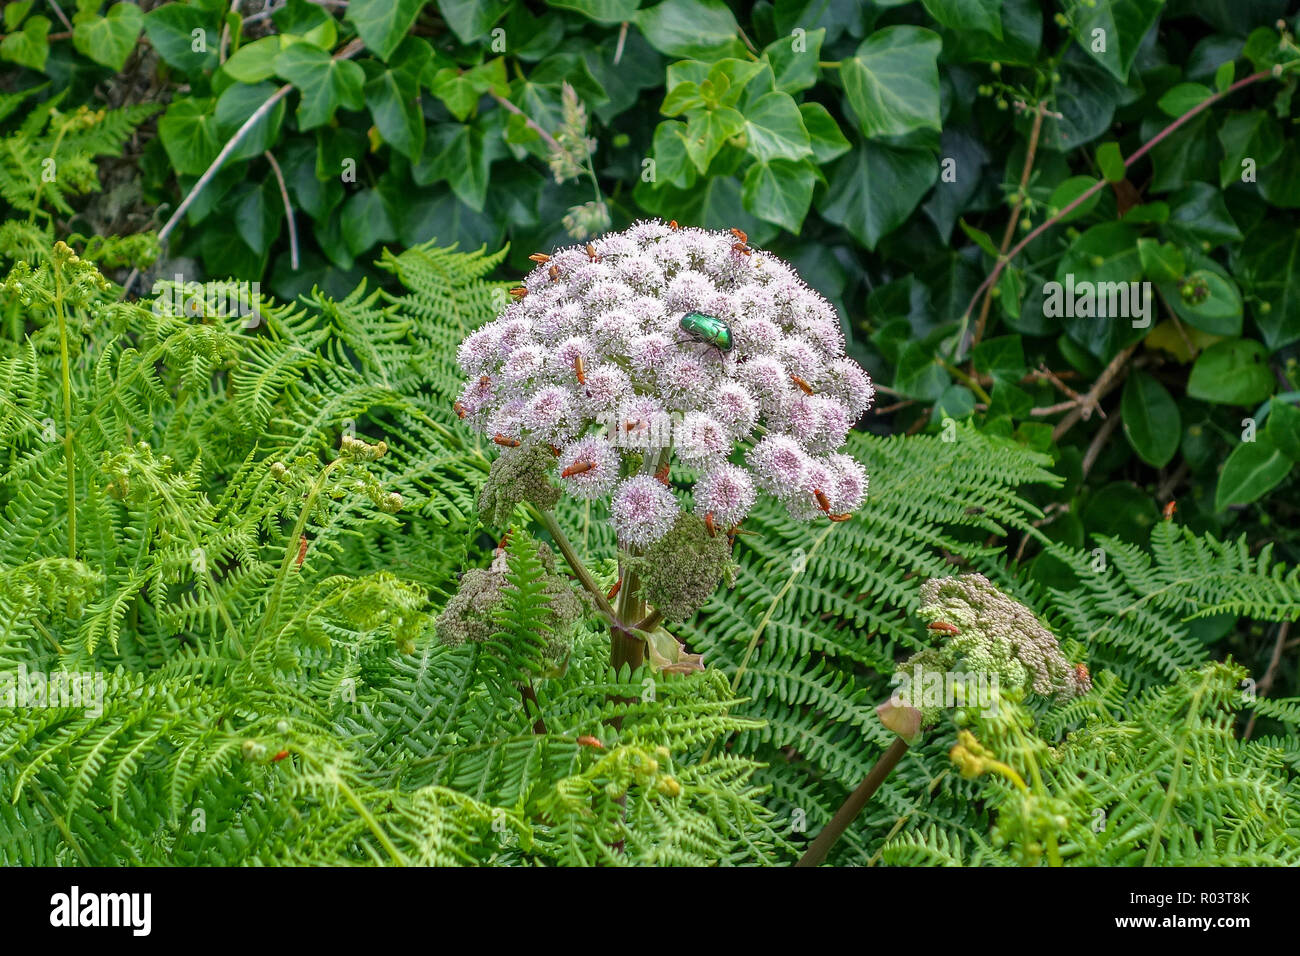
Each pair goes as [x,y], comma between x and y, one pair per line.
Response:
[591,359]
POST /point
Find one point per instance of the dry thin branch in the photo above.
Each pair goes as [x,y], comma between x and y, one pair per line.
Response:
[288,210]
[528,121]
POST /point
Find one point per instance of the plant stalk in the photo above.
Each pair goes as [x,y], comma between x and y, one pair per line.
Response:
[846,814]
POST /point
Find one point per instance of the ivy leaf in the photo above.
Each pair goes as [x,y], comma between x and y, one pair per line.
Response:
[691,28]
[190,135]
[608,12]
[824,134]
[1151,420]
[226,254]
[471,20]
[393,97]
[1183,98]
[1255,135]
[892,81]
[29,46]
[236,105]
[258,215]
[1232,372]
[1269,266]
[774,129]
[780,192]
[254,62]
[874,189]
[672,164]
[1003,355]
[1253,469]
[1283,428]
[314,196]
[708,131]
[108,40]
[1161,261]
[170,29]
[366,221]
[1068,192]
[461,155]
[919,375]
[794,60]
[983,15]
[1111,161]
[324,84]
[1110,31]
[383,23]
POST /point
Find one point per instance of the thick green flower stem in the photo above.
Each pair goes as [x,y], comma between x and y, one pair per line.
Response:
[625,648]
[816,853]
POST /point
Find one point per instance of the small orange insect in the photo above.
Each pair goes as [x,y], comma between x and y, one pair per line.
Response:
[505,441]
[840,517]
[1169,510]
[586,740]
[672,224]
[803,385]
[554,273]
[1081,673]
[945,627]
[302,550]
[484,381]
[613,592]
[661,475]
[505,540]
[741,248]
[708,523]
[740,234]
[554,451]
[280,756]
[631,426]
[578,467]
[591,253]
[580,369]
[540,258]
[822,501]
[518,292]
[458,408]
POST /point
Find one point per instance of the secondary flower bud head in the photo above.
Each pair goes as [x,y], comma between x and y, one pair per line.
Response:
[594,343]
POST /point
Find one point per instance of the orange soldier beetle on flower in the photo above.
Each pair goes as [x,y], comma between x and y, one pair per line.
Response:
[586,740]
[945,627]
[578,468]
[505,441]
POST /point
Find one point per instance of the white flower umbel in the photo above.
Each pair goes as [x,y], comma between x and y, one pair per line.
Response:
[591,359]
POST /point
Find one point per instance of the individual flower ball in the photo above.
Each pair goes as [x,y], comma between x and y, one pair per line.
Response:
[779,464]
[588,467]
[593,350]
[725,492]
[642,511]
[701,438]
[548,413]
